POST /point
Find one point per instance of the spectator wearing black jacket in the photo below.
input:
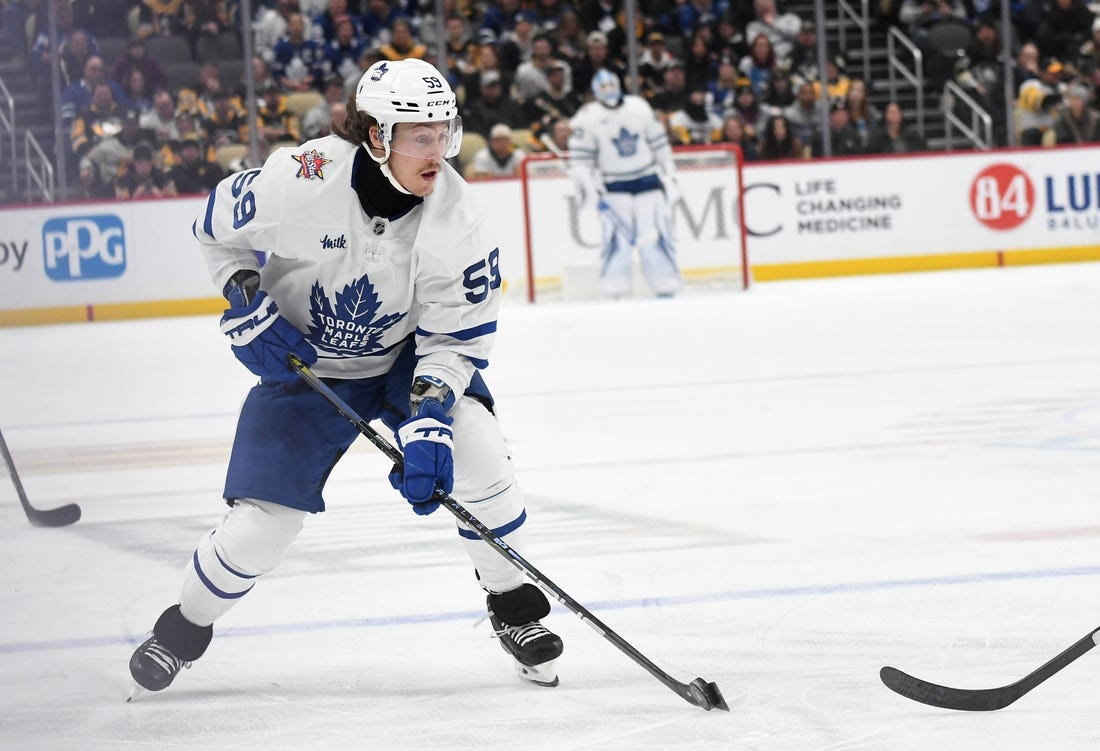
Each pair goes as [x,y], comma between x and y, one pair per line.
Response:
[1066,25]
[492,107]
[193,174]
[892,136]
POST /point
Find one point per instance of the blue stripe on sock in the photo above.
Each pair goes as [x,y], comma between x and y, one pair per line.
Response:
[511,526]
[210,585]
[231,570]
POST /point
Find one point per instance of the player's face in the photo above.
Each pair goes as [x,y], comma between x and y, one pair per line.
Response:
[416,152]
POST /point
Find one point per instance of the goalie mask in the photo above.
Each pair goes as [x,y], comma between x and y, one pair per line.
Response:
[410,91]
[606,88]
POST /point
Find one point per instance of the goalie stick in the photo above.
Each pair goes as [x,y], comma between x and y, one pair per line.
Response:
[602,207]
[699,692]
[982,699]
[56,517]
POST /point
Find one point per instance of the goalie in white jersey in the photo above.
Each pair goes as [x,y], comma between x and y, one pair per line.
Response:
[621,163]
[382,275]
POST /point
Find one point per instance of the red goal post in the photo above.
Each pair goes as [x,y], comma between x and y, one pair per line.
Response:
[708,224]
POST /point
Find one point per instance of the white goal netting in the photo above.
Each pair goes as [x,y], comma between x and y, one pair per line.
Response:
[563,243]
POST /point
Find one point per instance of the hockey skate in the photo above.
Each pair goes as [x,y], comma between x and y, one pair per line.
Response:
[533,647]
[174,645]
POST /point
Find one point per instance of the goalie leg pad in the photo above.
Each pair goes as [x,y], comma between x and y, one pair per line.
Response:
[485,484]
[251,540]
[617,240]
[656,249]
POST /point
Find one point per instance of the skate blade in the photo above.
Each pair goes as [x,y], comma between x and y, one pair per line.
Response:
[540,675]
[135,692]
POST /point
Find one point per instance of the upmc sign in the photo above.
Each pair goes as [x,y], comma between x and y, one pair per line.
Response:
[84,247]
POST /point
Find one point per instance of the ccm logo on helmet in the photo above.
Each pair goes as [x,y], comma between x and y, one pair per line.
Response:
[436,104]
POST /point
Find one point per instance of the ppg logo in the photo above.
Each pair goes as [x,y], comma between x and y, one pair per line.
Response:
[84,247]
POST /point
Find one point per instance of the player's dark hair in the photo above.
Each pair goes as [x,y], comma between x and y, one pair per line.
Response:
[356,126]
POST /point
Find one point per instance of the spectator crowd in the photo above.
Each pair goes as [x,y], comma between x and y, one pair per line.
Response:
[714,71]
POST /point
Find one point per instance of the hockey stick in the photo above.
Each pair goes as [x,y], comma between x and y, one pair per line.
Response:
[982,699]
[699,692]
[636,243]
[56,517]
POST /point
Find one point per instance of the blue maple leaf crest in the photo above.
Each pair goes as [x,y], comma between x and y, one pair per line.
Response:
[381,71]
[626,143]
[349,328]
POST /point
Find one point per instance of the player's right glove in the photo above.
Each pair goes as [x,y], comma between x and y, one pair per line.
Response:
[260,336]
[672,189]
[590,194]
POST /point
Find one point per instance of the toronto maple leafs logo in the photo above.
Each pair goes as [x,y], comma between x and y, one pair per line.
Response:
[311,164]
[380,71]
[349,327]
[626,143]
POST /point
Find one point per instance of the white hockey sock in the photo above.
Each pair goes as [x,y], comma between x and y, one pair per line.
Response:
[505,514]
[251,540]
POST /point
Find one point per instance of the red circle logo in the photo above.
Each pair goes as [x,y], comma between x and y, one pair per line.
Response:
[1002,196]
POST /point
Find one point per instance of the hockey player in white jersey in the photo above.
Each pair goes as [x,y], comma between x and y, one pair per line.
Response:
[383,276]
[621,164]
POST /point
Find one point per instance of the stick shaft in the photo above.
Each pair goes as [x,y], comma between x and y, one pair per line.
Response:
[486,534]
[14,474]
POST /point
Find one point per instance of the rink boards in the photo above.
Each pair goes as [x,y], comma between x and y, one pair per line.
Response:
[111,260]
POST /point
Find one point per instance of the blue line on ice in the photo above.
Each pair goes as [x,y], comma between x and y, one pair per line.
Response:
[809,590]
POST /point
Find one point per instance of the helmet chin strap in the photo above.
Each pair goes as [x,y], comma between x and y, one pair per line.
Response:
[385,167]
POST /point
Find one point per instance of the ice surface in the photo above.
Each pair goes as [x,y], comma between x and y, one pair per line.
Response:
[779,491]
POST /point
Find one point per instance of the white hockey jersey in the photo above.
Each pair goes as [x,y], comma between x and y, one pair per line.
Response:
[620,144]
[360,286]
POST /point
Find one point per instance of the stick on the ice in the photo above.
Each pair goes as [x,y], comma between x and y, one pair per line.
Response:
[55,517]
[982,699]
[699,692]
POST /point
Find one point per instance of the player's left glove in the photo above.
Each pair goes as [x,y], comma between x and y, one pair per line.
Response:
[428,444]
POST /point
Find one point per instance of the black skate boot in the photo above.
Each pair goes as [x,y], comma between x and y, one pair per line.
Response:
[175,644]
[515,618]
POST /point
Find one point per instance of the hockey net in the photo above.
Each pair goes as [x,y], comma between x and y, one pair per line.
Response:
[563,243]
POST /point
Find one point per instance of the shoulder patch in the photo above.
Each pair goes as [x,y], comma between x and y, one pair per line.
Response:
[310,164]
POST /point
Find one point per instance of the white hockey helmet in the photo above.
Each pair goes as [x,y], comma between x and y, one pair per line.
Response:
[410,91]
[606,88]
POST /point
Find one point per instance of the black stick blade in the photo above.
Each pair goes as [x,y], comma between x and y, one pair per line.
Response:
[62,516]
[945,697]
[985,699]
[706,695]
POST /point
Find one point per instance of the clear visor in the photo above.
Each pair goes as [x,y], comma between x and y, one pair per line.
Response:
[427,140]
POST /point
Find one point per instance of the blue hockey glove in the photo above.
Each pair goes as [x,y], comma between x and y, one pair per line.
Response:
[427,442]
[262,338]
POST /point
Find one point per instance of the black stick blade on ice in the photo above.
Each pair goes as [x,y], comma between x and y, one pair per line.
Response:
[982,699]
[706,695]
[62,516]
